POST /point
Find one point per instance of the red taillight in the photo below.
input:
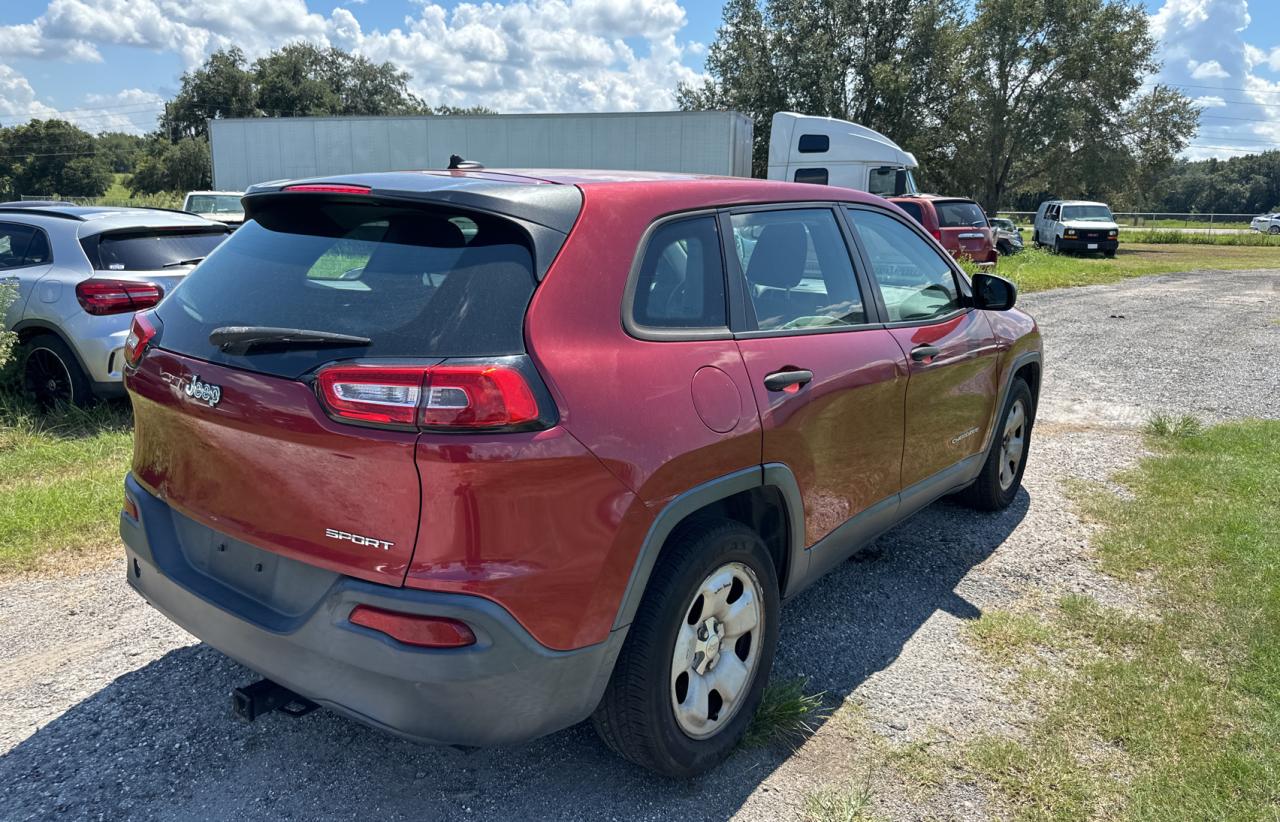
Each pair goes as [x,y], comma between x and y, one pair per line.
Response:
[414,629]
[445,396]
[329,188]
[141,334]
[102,296]
[937,234]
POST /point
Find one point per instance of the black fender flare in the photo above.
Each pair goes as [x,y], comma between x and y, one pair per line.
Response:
[676,511]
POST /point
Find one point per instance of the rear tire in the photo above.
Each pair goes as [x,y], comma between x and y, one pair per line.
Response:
[52,375]
[662,708]
[997,485]
[1275,229]
[1109,254]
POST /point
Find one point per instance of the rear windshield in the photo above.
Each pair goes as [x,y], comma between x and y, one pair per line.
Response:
[417,283]
[214,204]
[960,215]
[150,249]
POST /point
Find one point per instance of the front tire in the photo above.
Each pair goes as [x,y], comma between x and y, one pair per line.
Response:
[693,668]
[1275,229]
[52,375]
[997,485]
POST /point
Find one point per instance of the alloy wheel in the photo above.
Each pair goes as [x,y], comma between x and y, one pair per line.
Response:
[717,650]
[1011,444]
[48,377]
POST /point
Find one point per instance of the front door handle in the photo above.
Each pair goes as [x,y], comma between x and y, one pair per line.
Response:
[925,352]
[782,380]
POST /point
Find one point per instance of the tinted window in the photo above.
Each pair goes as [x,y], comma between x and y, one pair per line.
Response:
[959,214]
[14,240]
[1087,213]
[410,280]
[814,143]
[797,268]
[150,249]
[914,209]
[915,280]
[681,279]
[811,175]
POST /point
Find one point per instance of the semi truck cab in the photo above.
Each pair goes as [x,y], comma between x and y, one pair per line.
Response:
[823,150]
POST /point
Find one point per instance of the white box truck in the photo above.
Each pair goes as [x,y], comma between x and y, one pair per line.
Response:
[801,147]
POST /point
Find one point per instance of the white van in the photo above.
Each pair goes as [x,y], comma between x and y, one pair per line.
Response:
[808,149]
[1076,225]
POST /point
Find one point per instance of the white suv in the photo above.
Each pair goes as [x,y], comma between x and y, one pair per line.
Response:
[1076,225]
[1266,223]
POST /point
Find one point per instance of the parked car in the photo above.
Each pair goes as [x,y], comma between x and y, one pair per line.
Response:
[1266,223]
[959,224]
[1076,225]
[472,456]
[1008,235]
[223,206]
[81,272]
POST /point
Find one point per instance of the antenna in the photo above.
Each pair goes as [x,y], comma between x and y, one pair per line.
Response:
[456,163]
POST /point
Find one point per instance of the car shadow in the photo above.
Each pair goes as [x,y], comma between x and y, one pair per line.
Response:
[160,742]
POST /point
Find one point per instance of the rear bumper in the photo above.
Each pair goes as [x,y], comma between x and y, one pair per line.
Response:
[1065,244]
[289,622]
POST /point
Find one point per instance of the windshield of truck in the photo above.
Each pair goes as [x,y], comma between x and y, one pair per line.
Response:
[214,204]
[1087,213]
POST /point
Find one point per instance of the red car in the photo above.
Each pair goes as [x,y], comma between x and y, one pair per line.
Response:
[474,456]
[959,224]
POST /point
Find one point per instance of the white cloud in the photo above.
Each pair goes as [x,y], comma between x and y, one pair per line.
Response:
[18,101]
[1205,55]
[1208,70]
[133,111]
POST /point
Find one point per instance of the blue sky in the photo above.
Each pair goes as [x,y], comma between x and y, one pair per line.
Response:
[109,64]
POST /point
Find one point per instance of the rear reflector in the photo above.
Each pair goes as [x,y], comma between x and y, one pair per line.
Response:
[329,188]
[414,629]
[437,397]
[101,296]
[141,334]
[130,508]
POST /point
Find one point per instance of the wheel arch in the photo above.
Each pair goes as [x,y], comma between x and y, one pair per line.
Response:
[28,329]
[765,498]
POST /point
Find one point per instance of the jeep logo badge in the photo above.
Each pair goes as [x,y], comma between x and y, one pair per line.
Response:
[206,393]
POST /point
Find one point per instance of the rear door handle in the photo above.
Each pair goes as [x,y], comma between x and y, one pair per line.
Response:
[782,380]
[924,352]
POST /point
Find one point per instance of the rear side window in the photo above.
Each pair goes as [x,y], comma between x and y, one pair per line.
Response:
[417,283]
[914,210]
[814,143]
[14,242]
[150,249]
[811,175]
[960,214]
[680,283]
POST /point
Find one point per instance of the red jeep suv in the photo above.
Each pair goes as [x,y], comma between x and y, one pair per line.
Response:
[472,456]
[959,224]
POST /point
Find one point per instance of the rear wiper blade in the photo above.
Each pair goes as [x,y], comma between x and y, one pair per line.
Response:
[192,261]
[240,339]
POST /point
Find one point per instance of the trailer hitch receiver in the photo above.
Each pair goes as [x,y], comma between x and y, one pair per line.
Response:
[265,696]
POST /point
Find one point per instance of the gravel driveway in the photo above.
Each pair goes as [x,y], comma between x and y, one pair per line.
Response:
[112,712]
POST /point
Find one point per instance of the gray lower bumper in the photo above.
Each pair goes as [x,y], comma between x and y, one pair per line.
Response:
[292,626]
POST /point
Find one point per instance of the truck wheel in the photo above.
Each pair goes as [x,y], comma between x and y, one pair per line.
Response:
[52,374]
[1001,475]
[693,668]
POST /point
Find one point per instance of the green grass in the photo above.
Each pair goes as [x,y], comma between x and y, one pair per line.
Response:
[1005,635]
[1190,224]
[1169,426]
[1037,270]
[1169,237]
[1174,713]
[61,476]
[850,803]
[786,714]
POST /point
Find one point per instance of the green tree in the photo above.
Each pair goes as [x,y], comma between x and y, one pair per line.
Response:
[52,157]
[181,166]
[121,151]
[305,80]
[222,87]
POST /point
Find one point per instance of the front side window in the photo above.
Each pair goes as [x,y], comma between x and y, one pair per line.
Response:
[817,176]
[680,283]
[916,282]
[798,270]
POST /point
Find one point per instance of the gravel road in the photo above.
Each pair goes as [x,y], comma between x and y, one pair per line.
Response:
[112,712]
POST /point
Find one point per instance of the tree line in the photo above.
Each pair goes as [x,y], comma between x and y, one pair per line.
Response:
[298,80]
[998,99]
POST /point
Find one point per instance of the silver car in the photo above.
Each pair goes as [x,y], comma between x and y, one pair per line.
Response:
[81,273]
[1266,223]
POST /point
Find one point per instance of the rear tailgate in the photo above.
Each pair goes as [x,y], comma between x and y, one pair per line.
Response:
[266,465]
[964,229]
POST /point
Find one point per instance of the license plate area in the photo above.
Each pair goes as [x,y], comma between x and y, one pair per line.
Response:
[1092,246]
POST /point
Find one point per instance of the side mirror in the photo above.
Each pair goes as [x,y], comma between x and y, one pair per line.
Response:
[992,293]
